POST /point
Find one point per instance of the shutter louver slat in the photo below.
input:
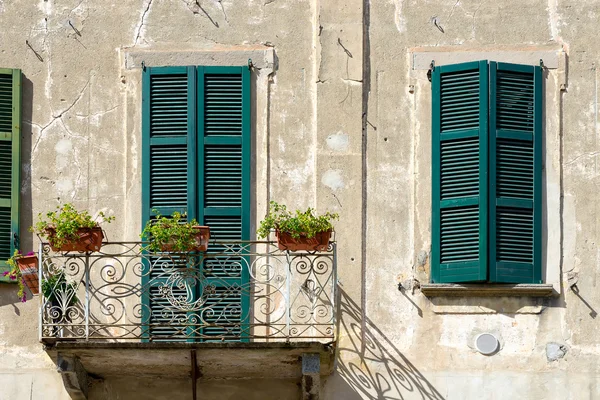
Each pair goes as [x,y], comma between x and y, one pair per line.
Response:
[168,176]
[514,169]
[515,201]
[6,106]
[5,230]
[168,107]
[459,92]
[514,101]
[459,235]
[222,104]
[223,176]
[460,168]
[5,168]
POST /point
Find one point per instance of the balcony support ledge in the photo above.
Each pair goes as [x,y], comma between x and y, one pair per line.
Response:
[235,360]
[75,377]
[487,290]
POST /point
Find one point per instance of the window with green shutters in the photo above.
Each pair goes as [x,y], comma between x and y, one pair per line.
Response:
[486,173]
[196,159]
[10,164]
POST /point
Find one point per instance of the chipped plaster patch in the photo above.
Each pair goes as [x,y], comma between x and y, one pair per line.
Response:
[555,351]
[338,141]
[333,179]
[64,186]
[554,23]
[63,148]
[399,20]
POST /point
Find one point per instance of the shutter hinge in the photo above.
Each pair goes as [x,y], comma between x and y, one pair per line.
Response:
[143,66]
[250,65]
[15,241]
[542,64]
[430,70]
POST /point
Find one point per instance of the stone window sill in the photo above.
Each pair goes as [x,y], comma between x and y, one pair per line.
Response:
[487,290]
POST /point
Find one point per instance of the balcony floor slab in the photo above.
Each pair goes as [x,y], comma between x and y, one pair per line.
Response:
[271,360]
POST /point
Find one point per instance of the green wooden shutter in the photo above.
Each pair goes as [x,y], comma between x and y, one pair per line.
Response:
[10,164]
[459,172]
[168,178]
[515,184]
[224,194]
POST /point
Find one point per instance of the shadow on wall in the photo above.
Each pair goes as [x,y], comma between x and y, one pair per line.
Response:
[26,217]
[383,372]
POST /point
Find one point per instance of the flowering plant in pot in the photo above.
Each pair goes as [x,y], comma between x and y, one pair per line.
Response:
[24,270]
[175,234]
[70,230]
[302,230]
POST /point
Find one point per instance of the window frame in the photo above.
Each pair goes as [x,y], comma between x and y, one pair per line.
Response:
[196,142]
[487,201]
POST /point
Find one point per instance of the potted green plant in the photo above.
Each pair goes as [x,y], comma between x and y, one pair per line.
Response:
[70,230]
[24,270]
[175,234]
[300,231]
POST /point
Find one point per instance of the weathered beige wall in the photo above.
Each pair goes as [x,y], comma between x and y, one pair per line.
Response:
[81,143]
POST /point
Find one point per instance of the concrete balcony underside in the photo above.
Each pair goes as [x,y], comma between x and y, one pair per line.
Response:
[175,360]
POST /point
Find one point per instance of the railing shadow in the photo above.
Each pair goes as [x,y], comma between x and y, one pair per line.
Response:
[369,363]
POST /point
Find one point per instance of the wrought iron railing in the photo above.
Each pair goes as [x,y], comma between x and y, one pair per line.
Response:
[236,291]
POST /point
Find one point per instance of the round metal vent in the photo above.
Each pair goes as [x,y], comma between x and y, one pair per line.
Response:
[487,343]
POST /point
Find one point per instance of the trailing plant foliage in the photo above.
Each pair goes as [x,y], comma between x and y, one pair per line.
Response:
[173,231]
[15,273]
[55,288]
[64,222]
[305,223]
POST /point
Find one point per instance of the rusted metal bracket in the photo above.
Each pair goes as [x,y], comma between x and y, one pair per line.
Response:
[430,71]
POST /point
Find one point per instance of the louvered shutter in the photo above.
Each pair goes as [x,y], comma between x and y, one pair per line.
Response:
[224,196]
[168,181]
[10,163]
[515,173]
[459,172]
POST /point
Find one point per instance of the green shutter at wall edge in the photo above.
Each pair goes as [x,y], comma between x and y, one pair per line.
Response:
[10,164]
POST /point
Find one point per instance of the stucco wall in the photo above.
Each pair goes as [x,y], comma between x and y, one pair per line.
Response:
[340,67]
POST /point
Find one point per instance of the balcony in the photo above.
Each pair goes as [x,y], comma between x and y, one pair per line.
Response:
[124,309]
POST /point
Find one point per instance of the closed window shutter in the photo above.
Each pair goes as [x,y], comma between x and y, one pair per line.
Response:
[224,197]
[459,172]
[196,152]
[515,183]
[168,181]
[10,164]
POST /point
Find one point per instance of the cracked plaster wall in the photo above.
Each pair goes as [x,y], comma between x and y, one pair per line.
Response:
[81,143]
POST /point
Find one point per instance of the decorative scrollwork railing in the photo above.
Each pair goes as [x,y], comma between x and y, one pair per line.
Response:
[236,291]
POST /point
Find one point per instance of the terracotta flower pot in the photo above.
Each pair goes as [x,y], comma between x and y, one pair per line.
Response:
[90,239]
[201,238]
[29,271]
[319,242]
